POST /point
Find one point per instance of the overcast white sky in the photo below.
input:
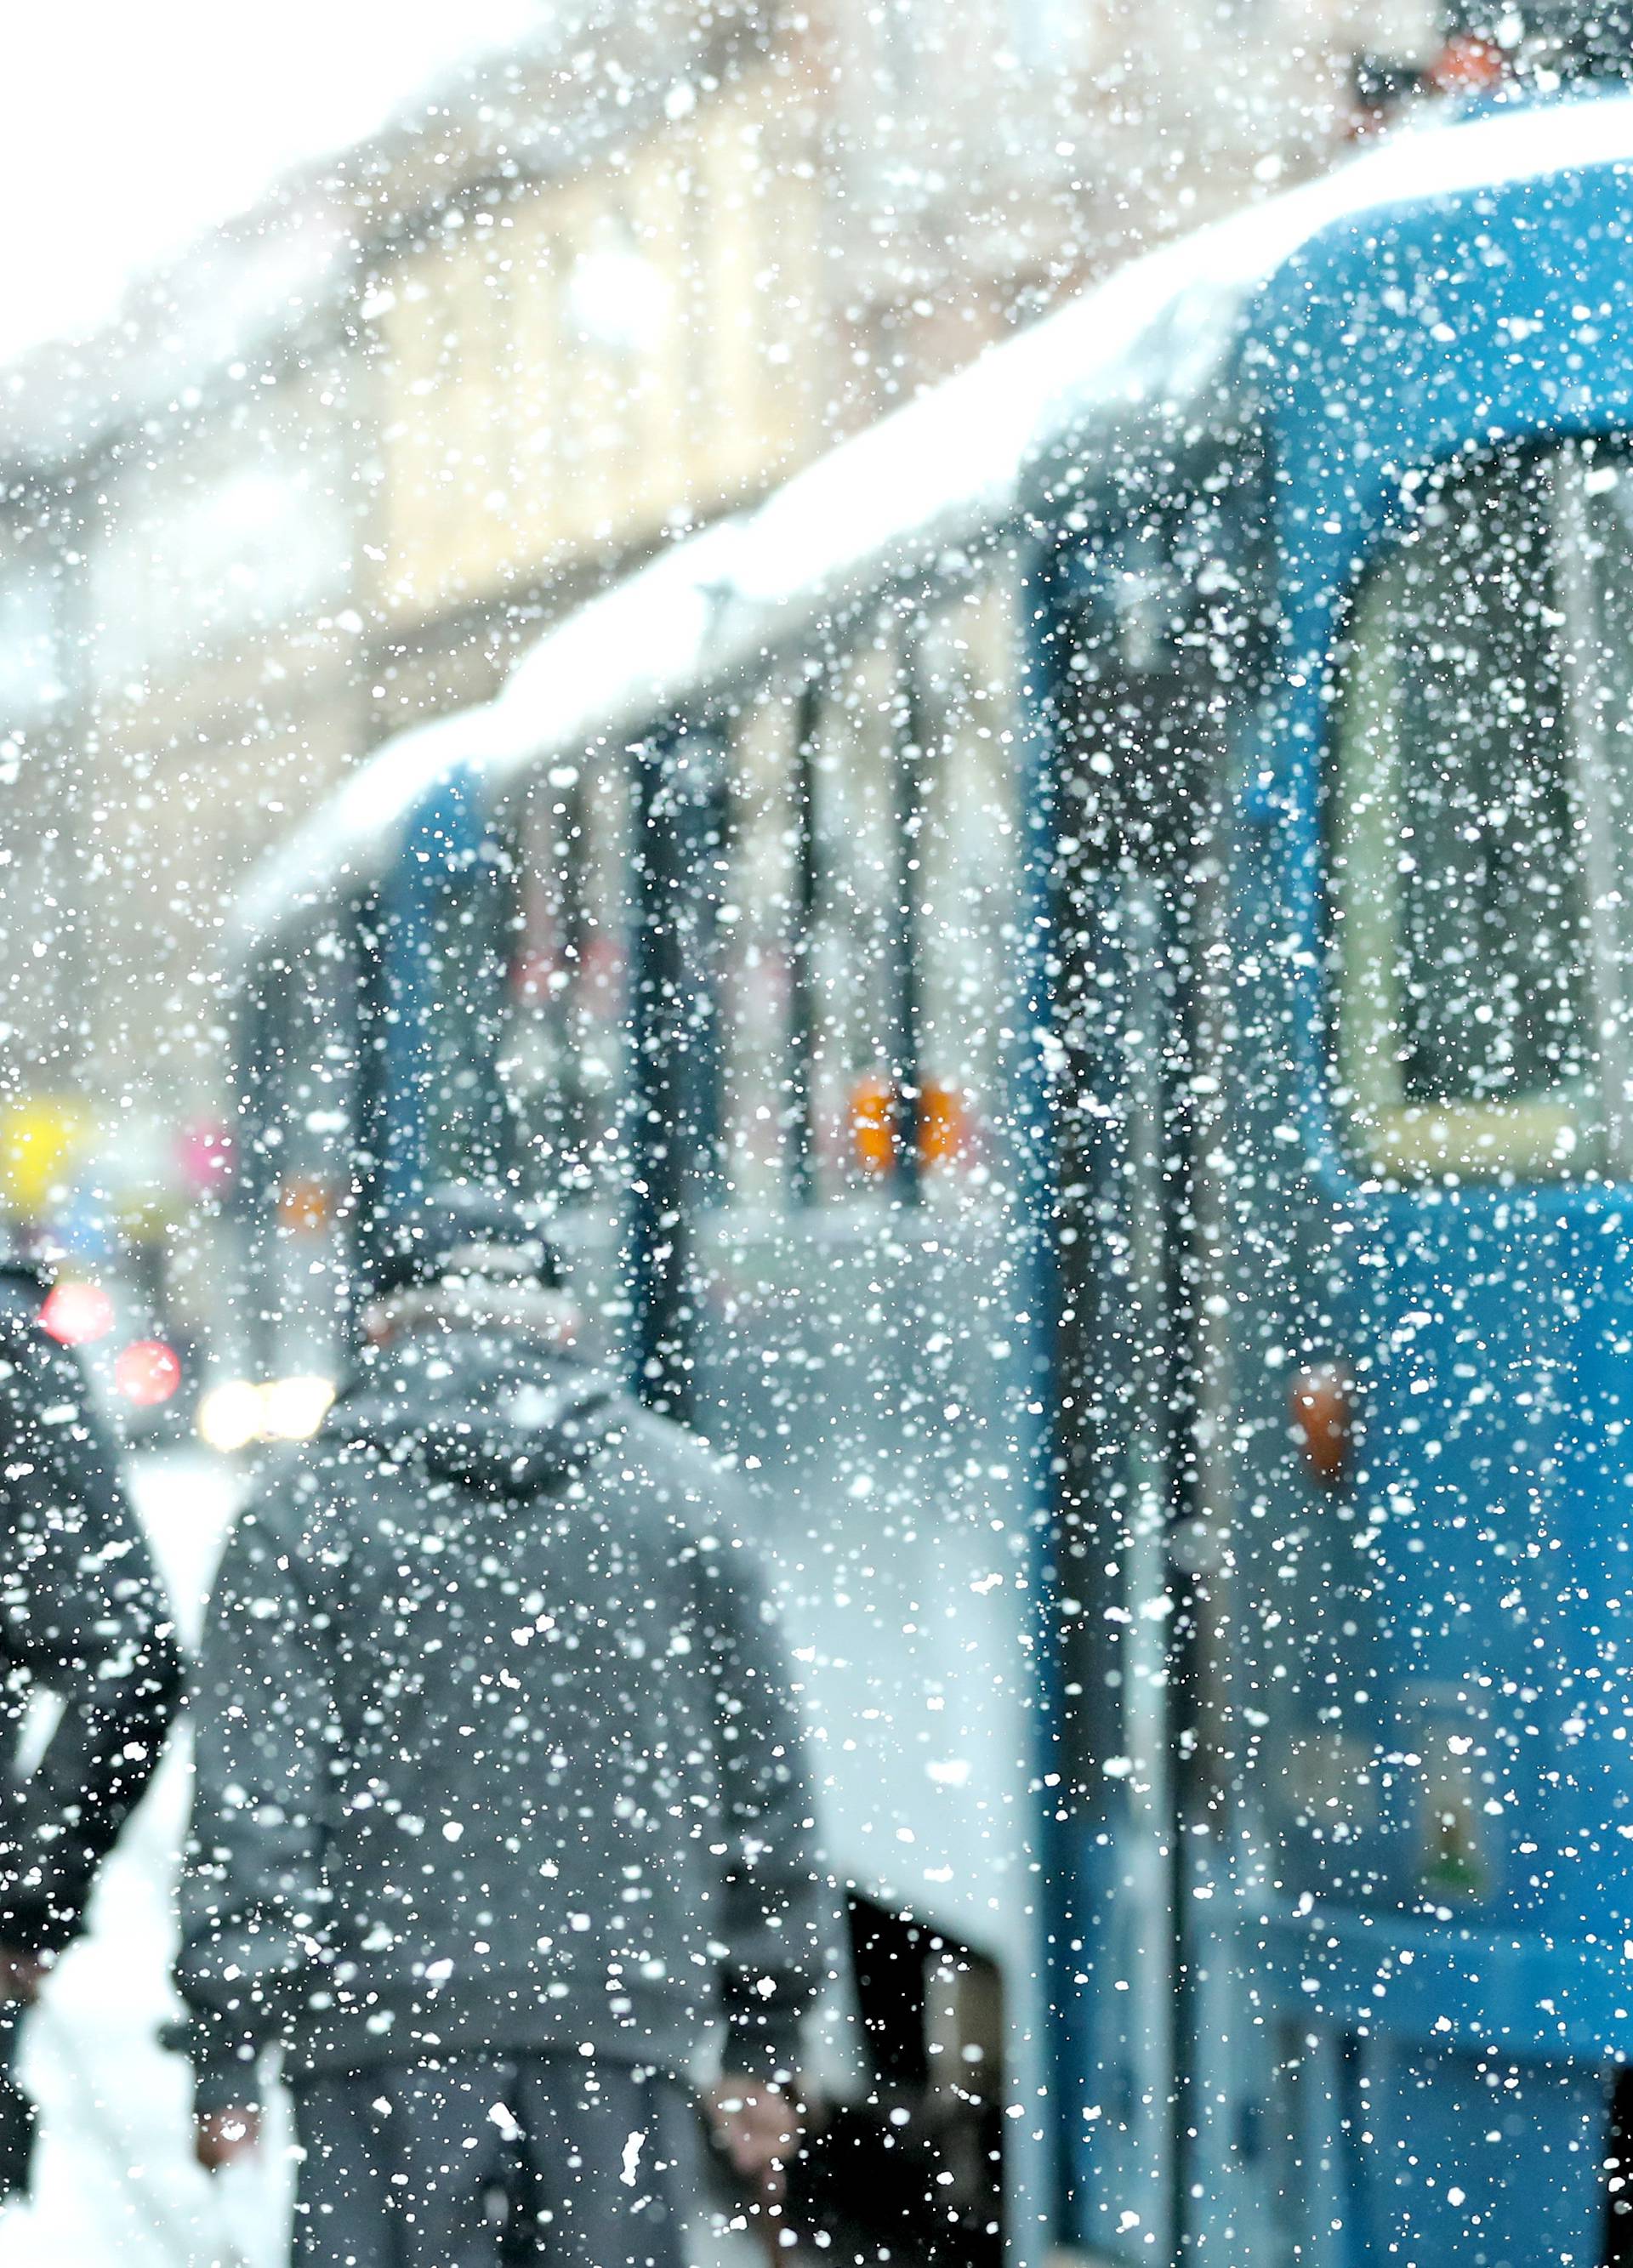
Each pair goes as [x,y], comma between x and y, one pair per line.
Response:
[131,125]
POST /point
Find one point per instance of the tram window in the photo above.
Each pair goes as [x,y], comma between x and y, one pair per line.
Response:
[311,1083]
[1479,820]
[856,943]
[1596,532]
[565,1062]
[464,1122]
[1135,730]
[968,847]
[757,923]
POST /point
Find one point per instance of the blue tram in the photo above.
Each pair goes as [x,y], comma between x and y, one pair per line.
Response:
[1065,982]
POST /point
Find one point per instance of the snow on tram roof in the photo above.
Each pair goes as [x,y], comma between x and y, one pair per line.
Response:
[617,661]
[627,658]
[346,836]
[1156,343]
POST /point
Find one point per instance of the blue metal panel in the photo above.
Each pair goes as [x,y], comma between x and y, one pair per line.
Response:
[441,838]
[1448,1643]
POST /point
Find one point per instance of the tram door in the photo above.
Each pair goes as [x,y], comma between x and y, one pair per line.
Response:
[1128,1230]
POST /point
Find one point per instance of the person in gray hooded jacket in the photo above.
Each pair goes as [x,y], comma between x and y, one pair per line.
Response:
[500,1797]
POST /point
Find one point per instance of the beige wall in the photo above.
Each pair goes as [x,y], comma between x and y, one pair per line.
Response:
[220,668]
[567,369]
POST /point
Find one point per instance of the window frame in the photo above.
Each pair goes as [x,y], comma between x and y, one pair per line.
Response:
[477,893]
[547,831]
[790,1183]
[286,1043]
[898,620]
[1411,1143]
[943,730]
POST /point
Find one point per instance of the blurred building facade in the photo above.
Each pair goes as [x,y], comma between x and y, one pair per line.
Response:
[329,473]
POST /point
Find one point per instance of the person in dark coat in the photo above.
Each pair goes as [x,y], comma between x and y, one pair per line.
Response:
[83,1619]
[501,1802]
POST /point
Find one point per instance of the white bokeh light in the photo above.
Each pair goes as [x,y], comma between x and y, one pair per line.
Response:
[131,128]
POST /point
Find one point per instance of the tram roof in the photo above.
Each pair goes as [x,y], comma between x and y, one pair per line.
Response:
[1180,376]
[620,659]
[350,832]
[1145,360]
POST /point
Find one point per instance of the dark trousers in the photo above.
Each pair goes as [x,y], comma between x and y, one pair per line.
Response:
[16,2113]
[472,2163]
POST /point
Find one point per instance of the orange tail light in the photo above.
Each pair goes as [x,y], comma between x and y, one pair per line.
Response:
[306,1203]
[872,1124]
[943,1123]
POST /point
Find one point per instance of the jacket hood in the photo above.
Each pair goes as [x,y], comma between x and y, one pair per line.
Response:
[501,1419]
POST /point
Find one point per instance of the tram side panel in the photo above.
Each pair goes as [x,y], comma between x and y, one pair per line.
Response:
[859,1334]
[1159,2062]
[888,1520]
[1118,1927]
[1432,1635]
[1394,1670]
[1117,1924]
[855,1375]
[1275,1240]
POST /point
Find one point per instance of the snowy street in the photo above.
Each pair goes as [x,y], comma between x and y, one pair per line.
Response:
[114,2178]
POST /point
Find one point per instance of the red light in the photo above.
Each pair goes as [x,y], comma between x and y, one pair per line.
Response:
[76,1313]
[1466,65]
[204,1154]
[1321,1405]
[147,1373]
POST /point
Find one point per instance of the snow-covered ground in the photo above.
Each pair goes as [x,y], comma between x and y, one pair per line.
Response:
[116,2185]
